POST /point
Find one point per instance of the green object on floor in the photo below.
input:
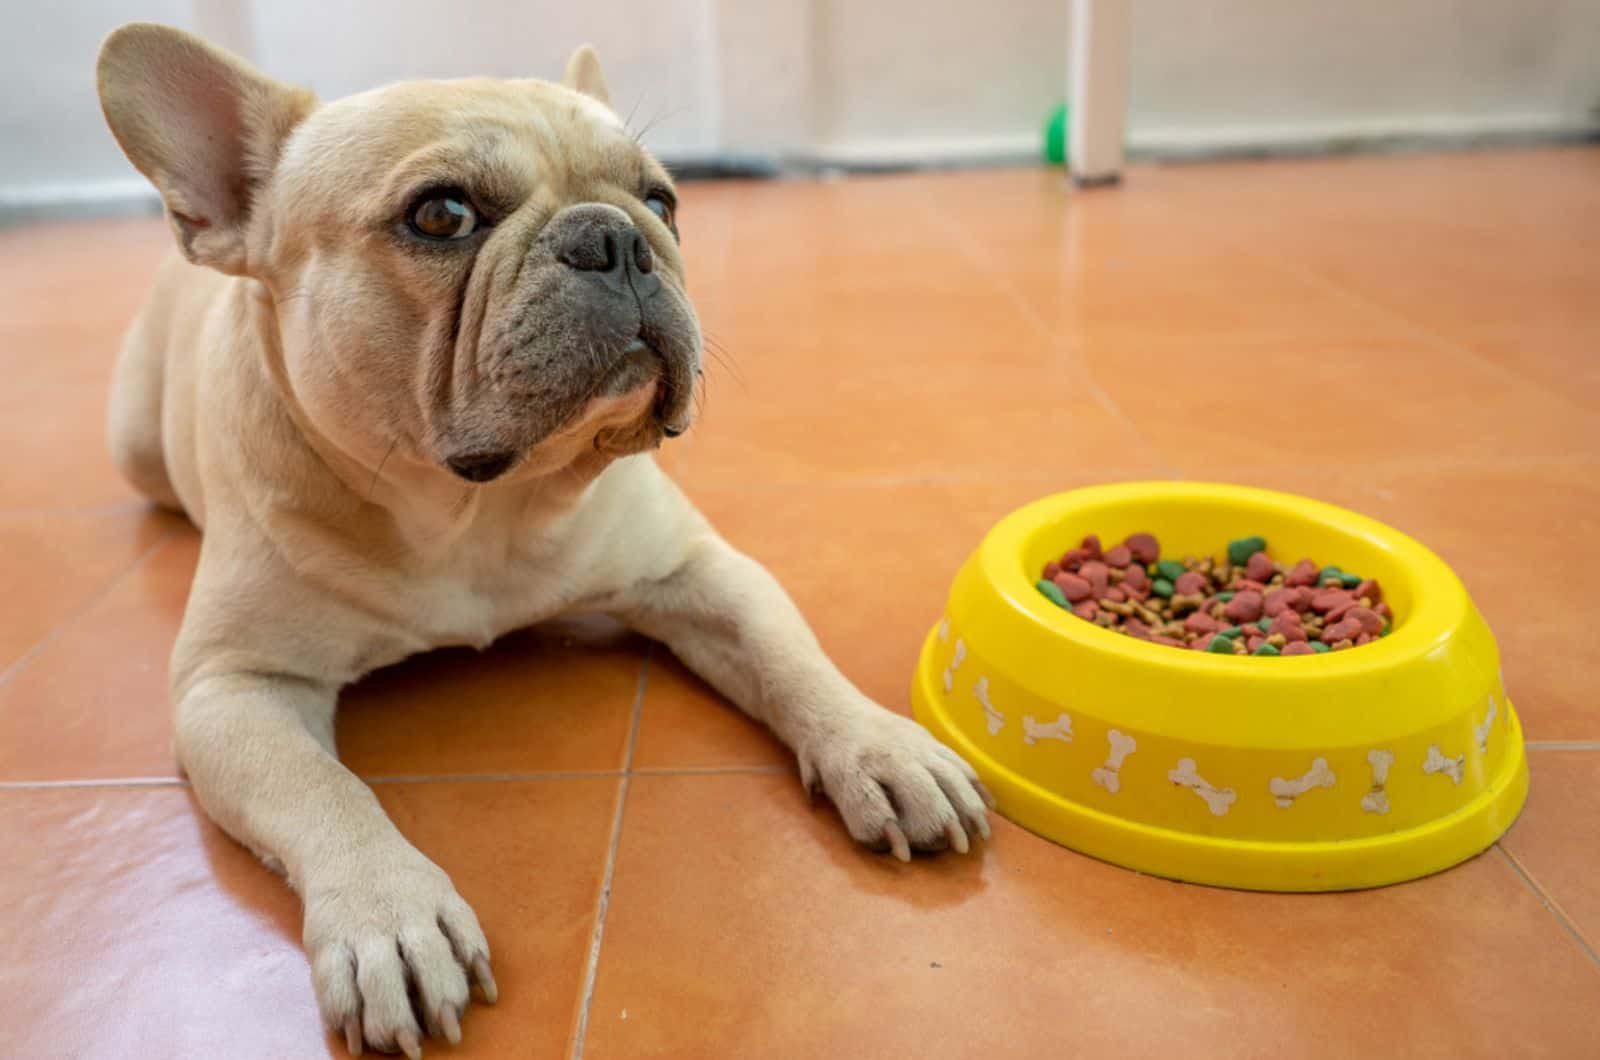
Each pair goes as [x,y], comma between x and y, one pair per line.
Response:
[1055,136]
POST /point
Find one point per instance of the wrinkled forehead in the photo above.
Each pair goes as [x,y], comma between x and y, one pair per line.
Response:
[499,140]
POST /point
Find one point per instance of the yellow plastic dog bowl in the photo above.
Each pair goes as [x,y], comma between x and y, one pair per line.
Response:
[1295,773]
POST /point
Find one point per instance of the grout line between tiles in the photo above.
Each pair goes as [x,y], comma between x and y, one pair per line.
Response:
[1562,745]
[713,771]
[592,968]
[10,672]
[1549,903]
[490,778]
[108,782]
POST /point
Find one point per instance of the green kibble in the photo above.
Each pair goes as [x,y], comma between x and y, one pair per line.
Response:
[1225,596]
[1240,551]
[1053,591]
[1350,581]
[1318,646]
[1220,645]
[1263,624]
[1231,631]
[1170,569]
[1162,588]
[1267,649]
[1330,572]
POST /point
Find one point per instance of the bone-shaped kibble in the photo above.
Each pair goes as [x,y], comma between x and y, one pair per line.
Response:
[1377,800]
[1186,776]
[1482,731]
[1033,731]
[1437,762]
[1286,791]
[955,664]
[944,629]
[1121,747]
[997,720]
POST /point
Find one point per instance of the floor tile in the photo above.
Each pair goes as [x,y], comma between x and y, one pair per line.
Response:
[92,702]
[535,702]
[1554,839]
[134,927]
[1422,402]
[52,564]
[744,923]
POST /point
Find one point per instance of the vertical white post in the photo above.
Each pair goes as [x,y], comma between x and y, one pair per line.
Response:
[1097,76]
[227,24]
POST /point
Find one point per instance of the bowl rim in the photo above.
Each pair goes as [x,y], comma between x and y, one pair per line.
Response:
[1439,598]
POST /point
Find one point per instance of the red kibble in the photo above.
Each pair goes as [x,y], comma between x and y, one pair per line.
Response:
[1073,558]
[1301,600]
[1276,602]
[1086,609]
[1303,573]
[1371,590]
[1051,569]
[1137,628]
[1145,548]
[1170,642]
[1119,556]
[1369,621]
[1298,647]
[1244,607]
[1383,611]
[1203,642]
[1075,587]
[1252,643]
[1363,638]
[1091,546]
[1116,595]
[1259,568]
[1346,630]
[1189,583]
[1135,577]
[1288,624]
[1251,584]
[1098,574]
[1200,622]
[1325,600]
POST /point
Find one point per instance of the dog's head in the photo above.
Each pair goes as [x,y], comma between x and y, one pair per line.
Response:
[479,275]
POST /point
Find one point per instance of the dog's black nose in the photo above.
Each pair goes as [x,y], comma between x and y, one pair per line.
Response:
[481,467]
[601,239]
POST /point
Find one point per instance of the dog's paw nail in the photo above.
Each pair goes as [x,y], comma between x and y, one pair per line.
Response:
[897,841]
[450,1024]
[957,837]
[407,1040]
[485,978]
[352,1035]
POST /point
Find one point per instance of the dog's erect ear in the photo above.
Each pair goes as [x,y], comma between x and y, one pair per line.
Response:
[205,127]
[584,75]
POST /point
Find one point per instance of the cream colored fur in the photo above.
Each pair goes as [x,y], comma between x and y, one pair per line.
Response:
[295,387]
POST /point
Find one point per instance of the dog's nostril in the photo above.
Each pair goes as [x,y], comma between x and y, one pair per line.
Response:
[643,259]
[481,467]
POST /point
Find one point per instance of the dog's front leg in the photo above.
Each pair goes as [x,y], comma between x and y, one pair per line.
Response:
[380,918]
[895,785]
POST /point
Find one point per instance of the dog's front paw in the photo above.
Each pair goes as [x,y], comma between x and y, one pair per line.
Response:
[391,944]
[897,788]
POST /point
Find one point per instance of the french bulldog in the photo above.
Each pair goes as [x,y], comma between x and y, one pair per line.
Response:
[407,375]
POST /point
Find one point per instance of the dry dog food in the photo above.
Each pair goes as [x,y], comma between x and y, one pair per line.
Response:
[1243,604]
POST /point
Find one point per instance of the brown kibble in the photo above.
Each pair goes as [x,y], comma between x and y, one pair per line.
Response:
[1331,583]
[1277,640]
[1341,645]
[1116,574]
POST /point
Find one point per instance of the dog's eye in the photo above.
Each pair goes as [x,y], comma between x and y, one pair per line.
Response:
[661,206]
[447,215]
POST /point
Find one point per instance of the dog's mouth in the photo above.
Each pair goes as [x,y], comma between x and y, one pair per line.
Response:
[636,402]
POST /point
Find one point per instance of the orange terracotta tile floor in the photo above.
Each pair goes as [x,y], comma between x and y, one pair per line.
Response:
[902,360]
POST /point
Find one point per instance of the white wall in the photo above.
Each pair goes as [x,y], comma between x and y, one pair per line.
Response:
[859,80]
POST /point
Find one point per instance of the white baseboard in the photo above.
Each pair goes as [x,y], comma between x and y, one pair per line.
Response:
[66,199]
